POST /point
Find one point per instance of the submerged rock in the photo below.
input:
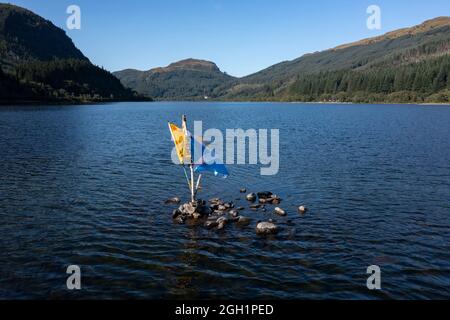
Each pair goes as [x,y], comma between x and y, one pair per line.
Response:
[210,224]
[302,209]
[180,219]
[251,197]
[174,200]
[266,228]
[243,221]
[176,213]
[280,211]
[229,205]
[274,199]
[222,221]
[234,213]
[264,194]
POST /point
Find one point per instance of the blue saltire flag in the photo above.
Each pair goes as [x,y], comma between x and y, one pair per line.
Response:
[206,162]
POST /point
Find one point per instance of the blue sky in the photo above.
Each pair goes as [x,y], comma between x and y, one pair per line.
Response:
[241,36]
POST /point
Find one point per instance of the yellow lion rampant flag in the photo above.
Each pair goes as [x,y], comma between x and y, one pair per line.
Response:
[181,142]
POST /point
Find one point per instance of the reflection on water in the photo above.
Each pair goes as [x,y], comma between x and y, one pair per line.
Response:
[85,185]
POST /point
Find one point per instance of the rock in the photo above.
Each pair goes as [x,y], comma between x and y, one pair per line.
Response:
[180,219]
[274,199]
[176,213]
[266,228]
[222,221]
[188,208]
[211,224]
[280,211]
[251,197]
[222,208]
[228,205]
[234,213]
[196,215]
[205,211]
[243,190]
[243,221]
[264,194]
[214,200]
[174,200]
[262,200]
[302,209]
[255,206]
[240,208]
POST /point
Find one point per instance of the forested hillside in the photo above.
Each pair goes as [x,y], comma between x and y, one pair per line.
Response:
[40,63]
[187,79]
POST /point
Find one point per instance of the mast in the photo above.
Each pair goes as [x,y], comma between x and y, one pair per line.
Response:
[191,165]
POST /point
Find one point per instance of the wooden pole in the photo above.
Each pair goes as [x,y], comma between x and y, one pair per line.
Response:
[192,184]
[191,165]
[198,184]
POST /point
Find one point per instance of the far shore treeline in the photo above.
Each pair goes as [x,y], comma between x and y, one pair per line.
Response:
[40,63]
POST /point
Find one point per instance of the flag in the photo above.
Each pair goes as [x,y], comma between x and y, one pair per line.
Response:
[204,160]
[181,144]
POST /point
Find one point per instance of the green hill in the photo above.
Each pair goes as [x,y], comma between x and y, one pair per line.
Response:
[187,79]
[39,62]
[406,65]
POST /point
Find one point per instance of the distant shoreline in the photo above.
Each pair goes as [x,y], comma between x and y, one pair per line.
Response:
[4,103]
[64,102]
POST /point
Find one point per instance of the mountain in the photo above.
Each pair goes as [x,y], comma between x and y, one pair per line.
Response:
[406,65]
[187,79]
[39,62]
[374,65]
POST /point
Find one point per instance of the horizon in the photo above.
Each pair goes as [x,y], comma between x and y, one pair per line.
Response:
[235,49]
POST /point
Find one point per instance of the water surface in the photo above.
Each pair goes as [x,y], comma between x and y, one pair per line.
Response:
[85,185]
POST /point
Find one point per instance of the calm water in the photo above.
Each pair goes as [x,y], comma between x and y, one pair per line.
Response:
[85,185]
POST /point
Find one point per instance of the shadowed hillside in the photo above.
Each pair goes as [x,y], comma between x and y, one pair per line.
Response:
[39,62]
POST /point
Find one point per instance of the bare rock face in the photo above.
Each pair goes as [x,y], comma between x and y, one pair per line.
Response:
[265,228]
